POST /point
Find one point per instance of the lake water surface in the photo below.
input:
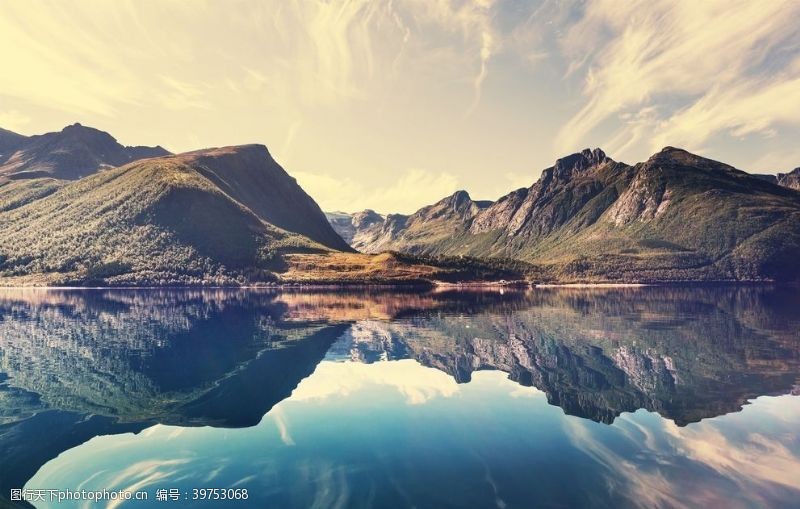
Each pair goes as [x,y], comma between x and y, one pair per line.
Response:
[648,397]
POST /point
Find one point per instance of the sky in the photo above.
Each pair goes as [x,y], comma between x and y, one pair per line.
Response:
[395,104]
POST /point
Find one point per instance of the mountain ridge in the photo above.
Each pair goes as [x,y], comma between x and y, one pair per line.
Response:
[72,153]
[72,212]
[172,219]
[675,216]
[790,180]
[228,216]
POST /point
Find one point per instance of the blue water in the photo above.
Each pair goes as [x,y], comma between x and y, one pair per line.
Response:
[548,398]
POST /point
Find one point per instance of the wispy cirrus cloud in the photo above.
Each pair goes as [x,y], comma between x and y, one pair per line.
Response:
[409,191]
[13,119]
[353,90]
[697,69]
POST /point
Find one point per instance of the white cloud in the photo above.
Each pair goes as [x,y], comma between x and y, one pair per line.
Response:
[730,446]
[741,109]
[411,190]
[416,383]
[13,120]
[712,65]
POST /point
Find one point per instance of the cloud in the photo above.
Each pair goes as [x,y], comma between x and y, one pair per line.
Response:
[696,465]
[777,161]
[696,68]
[322,52]
[60,68]
[13,120]
[416,383]
[411,190]
[177,94]
[749,107]
[281,423]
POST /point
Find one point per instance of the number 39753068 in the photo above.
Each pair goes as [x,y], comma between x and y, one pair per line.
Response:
[219,494]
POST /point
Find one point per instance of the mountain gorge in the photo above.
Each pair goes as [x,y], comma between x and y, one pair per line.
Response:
[676,216]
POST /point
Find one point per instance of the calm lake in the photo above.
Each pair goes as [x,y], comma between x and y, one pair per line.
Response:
[646,397]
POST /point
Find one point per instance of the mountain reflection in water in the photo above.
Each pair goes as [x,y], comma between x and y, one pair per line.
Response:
[385,398]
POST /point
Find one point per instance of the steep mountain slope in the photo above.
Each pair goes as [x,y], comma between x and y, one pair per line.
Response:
[16,193]
[178,219]
[72,153]
[676,216]
[9,142]
[250,175]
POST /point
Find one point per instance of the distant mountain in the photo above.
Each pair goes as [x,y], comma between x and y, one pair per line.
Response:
[212,215]
[676,216]
[790,180]
[9,142]
[435,224]
[74,152]
[597,353]
[347,225]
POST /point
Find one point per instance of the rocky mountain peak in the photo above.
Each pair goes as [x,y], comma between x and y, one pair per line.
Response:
[81,132]
[366,218]
[678,157]
[458,200]
[566,167]
[72,153]
[790,180]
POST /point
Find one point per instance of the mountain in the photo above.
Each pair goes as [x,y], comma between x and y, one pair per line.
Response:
[347,225]
[74,152]
[221,214]
[790,180]
[676,216]
[597,353]
[9,142]
[435,224]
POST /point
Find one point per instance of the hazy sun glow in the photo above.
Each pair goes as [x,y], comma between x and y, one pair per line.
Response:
[395,104]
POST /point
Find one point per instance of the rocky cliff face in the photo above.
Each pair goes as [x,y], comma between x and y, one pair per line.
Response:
[74,152]
[348,225]
[676,216]
[559,195]
[790,180]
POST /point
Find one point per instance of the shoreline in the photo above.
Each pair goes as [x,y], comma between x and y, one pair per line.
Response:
[511,285]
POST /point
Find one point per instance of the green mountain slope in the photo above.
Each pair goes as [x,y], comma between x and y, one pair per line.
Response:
[16,193]
[676,216]
[185,219]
